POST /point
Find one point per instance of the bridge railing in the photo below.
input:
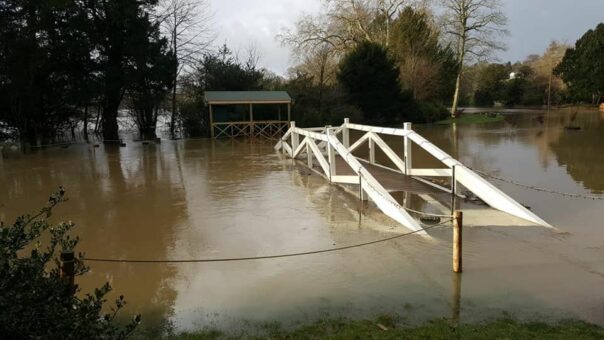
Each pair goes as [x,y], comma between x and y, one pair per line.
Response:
[324,145]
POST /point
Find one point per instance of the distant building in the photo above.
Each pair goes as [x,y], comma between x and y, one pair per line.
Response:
[515,75]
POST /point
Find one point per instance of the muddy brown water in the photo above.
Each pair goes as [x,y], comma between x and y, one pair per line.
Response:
[228,198]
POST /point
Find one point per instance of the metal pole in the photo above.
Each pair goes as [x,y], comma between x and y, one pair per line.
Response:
[457,241]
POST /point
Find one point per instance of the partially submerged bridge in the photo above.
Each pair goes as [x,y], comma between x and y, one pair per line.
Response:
[328,151]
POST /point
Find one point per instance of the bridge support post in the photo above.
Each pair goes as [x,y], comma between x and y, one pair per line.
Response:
[457,240]
[331,154]
[346,133]
[407,150]
[295,138]
[309,154]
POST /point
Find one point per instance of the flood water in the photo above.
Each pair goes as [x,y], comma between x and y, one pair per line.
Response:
[196,199]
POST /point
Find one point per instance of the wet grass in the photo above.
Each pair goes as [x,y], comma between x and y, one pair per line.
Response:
[387,328]
[475,118]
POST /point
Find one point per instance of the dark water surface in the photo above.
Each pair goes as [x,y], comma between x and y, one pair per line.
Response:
[210,199]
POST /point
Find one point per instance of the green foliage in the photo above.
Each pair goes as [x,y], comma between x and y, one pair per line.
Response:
[35,302]
[222,71]
[59,57]
[437,329]
[490,83]
[582,67]
[370,79]
[45,67]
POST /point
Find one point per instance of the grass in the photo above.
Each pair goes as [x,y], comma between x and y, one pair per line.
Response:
[386,328]
[474,118]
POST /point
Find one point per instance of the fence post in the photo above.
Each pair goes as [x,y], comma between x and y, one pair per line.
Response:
[346,133]
[407,150]
[67,271]
[457,240]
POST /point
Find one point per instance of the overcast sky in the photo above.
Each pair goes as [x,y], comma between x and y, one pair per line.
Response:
[532,25]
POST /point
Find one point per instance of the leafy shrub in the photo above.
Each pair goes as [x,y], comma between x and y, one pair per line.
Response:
[35,302]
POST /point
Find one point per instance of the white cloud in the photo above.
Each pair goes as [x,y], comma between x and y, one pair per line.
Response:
[242,23]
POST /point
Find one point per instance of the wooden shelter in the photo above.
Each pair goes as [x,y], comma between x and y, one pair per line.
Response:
[248,113]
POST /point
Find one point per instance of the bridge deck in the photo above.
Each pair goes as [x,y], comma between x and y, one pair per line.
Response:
[392,181]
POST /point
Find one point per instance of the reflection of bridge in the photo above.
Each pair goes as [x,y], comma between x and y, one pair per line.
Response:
[329,152]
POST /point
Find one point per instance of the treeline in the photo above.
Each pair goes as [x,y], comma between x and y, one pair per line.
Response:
[561,75]
[62,60]
[70,64]
[377,63]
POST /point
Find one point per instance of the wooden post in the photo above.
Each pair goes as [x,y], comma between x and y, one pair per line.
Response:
[407,150]
[346,133]
[331,154]
[68,271]
[251,120]
[289,112]
[211,122]
[457,240]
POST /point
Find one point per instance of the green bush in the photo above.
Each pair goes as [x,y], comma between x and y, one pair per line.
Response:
[35,302]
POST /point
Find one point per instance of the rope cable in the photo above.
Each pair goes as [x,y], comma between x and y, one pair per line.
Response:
[249,258]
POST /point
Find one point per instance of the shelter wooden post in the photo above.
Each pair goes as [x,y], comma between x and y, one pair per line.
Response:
[457,240]
[211,122]
[289,112]
[346,133]
[407,150]
[251,120]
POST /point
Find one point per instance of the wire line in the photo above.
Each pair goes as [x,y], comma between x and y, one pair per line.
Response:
[249,258]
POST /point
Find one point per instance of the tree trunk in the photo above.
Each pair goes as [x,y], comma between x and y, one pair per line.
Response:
[174,80]
[462,55]
[456,95]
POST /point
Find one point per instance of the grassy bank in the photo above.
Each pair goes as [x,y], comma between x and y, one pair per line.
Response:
[385,328]
[473,118]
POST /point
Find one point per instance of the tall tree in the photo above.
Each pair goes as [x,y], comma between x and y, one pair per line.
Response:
[41,62]
[150,80]
[582,67]
[425,66]
[543,67]
[474,27]
[117,28]
[370,78]
[186,23]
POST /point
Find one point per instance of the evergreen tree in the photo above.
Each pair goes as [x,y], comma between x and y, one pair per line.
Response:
[370,79]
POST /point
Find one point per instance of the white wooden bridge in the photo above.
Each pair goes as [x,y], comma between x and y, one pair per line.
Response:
[328,151]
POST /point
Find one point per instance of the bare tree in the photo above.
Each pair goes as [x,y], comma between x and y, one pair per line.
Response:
[344,23]
[475,27]
[187,24]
